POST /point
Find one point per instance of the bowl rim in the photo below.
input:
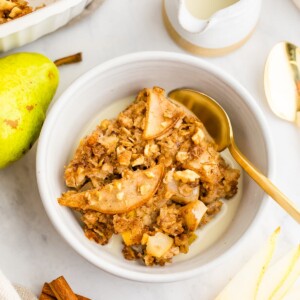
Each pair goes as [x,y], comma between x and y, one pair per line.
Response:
[117,62]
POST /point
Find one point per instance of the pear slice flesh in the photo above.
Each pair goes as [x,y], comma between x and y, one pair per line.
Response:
[192,214]
[245,283]
[293,294]
[172,188]
[290,279]
[280,276]
[158,244]
[161,114]
[121,195]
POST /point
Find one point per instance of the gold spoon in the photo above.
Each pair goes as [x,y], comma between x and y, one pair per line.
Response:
[219,127]
[282,81]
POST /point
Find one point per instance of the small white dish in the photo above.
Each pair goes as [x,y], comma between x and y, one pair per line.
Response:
[211,28]
[29,28]
[125,76]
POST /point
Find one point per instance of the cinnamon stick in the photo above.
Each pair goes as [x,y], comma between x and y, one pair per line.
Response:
[46,297]
[62,290]
[82,297]
[47,292]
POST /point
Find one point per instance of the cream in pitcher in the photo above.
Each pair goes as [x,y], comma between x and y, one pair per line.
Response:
[210,27]
[204,9]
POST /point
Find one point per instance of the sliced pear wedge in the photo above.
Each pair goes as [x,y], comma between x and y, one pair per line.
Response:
[161,114]
[289,279]
[245,284]
[280,276]
[121,195]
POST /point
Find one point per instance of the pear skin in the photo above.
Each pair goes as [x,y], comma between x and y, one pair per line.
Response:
[28,82]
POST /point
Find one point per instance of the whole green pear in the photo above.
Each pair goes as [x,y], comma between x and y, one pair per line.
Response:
[28,82]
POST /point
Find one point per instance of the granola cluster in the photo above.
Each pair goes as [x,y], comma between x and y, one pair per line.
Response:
[152,175]
[12,9]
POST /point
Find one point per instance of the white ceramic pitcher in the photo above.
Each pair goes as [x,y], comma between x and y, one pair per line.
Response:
[225,30]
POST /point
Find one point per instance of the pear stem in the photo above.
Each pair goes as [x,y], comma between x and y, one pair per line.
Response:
[69,59]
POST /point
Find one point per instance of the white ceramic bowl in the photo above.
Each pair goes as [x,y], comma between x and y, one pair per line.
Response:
[28,28]
[117,79]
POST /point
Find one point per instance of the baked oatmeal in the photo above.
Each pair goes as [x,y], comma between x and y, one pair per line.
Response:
[152,175]
[12,9]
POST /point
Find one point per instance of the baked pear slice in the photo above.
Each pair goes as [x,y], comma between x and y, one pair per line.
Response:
[121,195]
[161,114]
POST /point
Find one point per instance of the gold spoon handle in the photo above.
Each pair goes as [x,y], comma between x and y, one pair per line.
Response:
[265,183]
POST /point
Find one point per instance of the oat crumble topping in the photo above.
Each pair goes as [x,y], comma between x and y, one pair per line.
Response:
[13,9]
[152,175]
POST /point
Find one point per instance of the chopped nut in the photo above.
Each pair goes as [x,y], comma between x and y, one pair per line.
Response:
[168,194]
[144,189]
[104,124]
[147,220]
[154,148]
[120,196]
[109,142]
[80,176]
[186,176]
[124,156]
[149,174]
[93,200]
[139,161]
[151,149]
[107,168]
[118,185]
[179,192]
[168,161]
[147,150]
[164,124]
[198,137]
[125,121]
[182,156]
[168,114]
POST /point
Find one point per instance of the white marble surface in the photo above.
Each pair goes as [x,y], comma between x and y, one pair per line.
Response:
[32,252]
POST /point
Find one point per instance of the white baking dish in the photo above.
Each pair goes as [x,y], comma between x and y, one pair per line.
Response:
[30,27]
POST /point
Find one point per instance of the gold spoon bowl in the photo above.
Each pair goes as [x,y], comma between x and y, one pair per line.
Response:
[218,125]
[282,81]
